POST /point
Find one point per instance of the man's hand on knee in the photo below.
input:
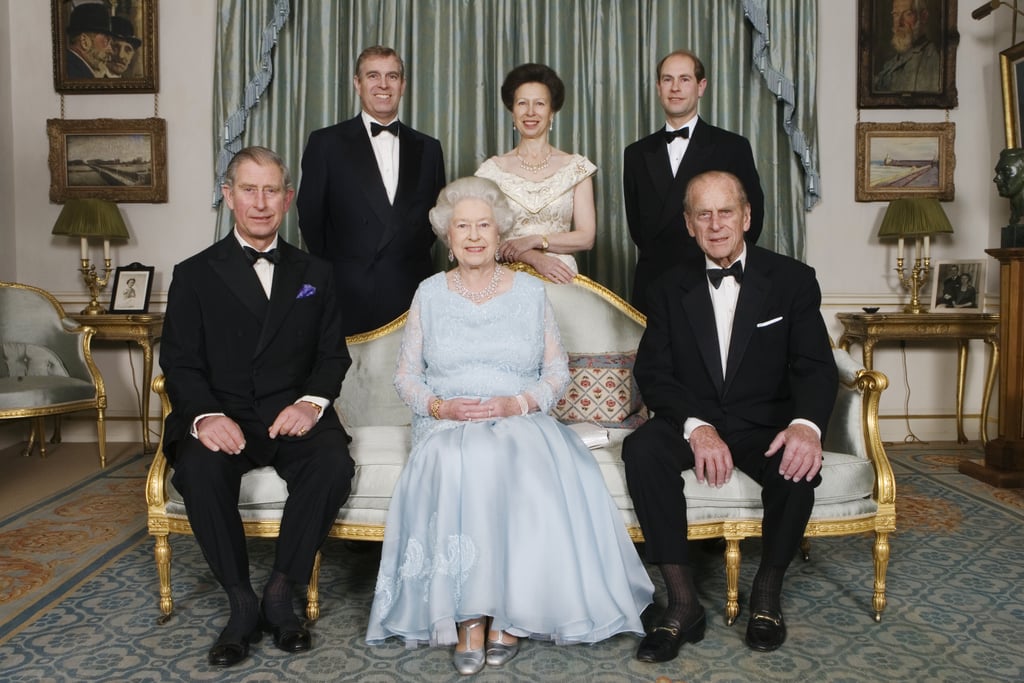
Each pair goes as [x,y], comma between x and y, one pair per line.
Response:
[295,420]
[220,433]
[711,456]
[801,458]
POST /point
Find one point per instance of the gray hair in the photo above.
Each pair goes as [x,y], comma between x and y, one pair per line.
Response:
[262,157]
[470,187]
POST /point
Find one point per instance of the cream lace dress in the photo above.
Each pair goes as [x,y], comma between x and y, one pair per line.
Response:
[541,207]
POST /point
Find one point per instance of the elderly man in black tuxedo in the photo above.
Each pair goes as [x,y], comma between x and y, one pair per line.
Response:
[367,186]
[254,357]
[737,367]
[656,169]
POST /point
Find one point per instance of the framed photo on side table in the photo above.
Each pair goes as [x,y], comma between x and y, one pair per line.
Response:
[897,160]
[132,286]
[907,54]
[120,160]
[104,47]
[958,287]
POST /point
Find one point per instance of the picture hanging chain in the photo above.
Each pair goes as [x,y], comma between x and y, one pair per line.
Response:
[156,105]
[62,105]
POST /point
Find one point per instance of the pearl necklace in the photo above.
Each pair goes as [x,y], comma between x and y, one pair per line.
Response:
[485,293]
[533,168]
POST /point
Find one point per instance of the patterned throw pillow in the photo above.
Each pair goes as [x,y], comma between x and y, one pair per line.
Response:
[602,390]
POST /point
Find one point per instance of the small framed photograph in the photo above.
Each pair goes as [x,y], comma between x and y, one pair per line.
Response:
[100,46]
[1011,67]
[904,160]
[132,286]
[958,287]
[907,54]
[121,160]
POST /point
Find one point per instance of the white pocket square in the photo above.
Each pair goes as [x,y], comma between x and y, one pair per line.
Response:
[766,323]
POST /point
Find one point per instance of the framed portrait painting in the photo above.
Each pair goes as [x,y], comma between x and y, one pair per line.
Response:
[1011,68]
[132,286]
[907,54]
[958,287]
[121,160]
[104,46]
[904,160]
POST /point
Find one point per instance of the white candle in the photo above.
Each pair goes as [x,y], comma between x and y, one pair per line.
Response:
[899,249]
[927,239]
[106,250]
[917,250]
[85,249]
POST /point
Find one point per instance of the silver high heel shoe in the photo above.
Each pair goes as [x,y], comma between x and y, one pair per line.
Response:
[470,661]
[500,652]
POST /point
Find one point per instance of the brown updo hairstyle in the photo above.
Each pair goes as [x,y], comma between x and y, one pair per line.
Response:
[533,73]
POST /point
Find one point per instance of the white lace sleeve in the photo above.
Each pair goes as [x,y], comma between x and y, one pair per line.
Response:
[410,379]
[554,374]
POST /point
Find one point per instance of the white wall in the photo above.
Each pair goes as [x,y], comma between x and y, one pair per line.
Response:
[854,269]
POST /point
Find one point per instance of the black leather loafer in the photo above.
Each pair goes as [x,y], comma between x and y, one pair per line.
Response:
[229,651]
[662,644]
[766,631]
[289,637]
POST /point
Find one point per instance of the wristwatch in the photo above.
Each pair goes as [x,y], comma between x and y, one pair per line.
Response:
[544,242]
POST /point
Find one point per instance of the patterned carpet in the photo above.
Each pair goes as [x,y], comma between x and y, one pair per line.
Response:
[78,601]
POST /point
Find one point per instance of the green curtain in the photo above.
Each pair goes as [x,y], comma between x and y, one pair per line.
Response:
[457,53]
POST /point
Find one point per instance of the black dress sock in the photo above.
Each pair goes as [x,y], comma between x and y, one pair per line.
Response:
[683,604]
[277,601]
[244,612]
[766,591]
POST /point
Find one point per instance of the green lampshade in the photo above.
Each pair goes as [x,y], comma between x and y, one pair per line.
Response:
[912,217]
[91,218]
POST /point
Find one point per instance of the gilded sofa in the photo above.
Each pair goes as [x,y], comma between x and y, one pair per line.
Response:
[601,333]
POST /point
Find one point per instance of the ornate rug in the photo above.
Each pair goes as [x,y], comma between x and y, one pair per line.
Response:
[78,601]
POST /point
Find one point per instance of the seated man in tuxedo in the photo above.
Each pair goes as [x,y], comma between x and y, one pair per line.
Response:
[736,365]
[254,357]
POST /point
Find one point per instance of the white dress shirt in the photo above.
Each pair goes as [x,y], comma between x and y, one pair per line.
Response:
[385,150]
[677,148]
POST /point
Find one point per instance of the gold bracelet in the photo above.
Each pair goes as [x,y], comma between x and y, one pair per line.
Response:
[544,242]
[435,408]
[319,409]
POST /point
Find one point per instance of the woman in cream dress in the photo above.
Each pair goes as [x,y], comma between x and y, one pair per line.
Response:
[551,192]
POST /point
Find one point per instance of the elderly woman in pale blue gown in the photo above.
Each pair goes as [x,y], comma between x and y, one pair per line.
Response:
[500,526]
[550,192]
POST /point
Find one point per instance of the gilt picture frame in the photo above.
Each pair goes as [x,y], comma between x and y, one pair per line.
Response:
[133,285]
[1011,69]
[121,160]
[906,58]
[905,159]
[105,47]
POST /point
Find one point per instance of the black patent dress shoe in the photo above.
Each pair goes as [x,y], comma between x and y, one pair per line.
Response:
[290,637]
[228,651]
[663,642]
[766,631]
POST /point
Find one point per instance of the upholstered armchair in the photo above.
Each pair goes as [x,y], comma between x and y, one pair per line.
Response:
[46,365]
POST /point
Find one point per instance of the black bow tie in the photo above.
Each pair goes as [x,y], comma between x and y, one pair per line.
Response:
[376,129]
[671,135]
[273,255]
[715,275]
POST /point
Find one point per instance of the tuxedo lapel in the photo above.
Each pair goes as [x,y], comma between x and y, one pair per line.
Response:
[370,181]
[236,273]
[410,159]
[701,316]
[753,292]
[287,281]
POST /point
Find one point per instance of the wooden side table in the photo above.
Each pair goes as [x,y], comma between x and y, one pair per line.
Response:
[869,329]
[142,328]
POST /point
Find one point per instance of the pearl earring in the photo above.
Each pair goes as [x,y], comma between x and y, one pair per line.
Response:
[451,256]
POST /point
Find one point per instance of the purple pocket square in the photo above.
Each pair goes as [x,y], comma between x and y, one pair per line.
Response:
[307,290]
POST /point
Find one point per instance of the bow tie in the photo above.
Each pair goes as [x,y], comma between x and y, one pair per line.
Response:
[671,135]
[273,255]
[376,129]
[715,275]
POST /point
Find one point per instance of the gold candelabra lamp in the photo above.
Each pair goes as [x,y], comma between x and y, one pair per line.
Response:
[96,218]
[917,218]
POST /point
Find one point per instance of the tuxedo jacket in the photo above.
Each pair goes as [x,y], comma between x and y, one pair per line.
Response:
[227,349]
[654,197]
[780,364]
[380,251]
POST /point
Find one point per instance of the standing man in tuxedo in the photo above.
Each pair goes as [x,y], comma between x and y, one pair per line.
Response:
[254,357]
[656,169]
[736,365]
[367,186]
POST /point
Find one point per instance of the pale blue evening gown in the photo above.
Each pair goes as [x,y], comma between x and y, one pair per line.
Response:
[507,517]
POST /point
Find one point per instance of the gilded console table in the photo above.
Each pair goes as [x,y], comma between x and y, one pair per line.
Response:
[869,329]
[142,328]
